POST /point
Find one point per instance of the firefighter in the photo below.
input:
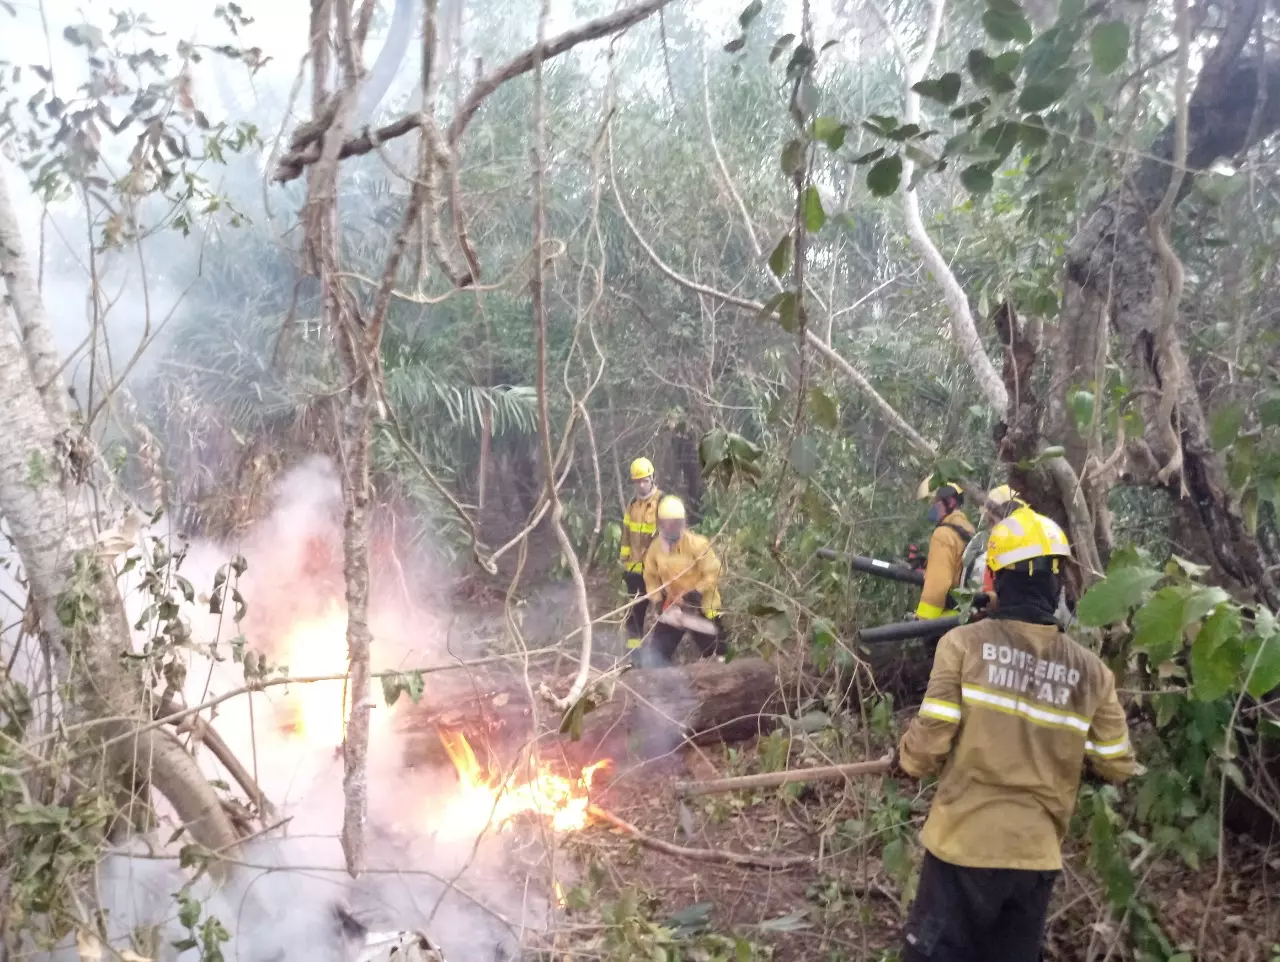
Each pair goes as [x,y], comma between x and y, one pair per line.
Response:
[945,563]
[1013,709]
[1000,502]
[681,569]
[639,524]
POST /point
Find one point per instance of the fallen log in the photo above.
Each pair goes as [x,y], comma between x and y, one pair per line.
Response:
[649,714]
[878,766]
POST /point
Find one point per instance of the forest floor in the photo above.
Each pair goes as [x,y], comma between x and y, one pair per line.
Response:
[848,903]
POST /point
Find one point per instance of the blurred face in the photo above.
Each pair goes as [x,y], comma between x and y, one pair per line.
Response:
[671,529]
[643,487]
[937,511]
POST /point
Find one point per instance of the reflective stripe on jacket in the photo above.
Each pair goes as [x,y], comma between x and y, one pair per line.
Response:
[945,564]
[639,525]
[688,565]
[1011,713]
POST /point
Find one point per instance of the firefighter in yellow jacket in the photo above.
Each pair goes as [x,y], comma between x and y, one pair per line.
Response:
[639,525]
[681,569]
[1013,709]
[945,563]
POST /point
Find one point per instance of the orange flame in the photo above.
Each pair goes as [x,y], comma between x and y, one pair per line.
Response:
[485,799]
[316,712]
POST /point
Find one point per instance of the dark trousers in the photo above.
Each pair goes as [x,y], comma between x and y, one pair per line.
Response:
[639,606]
[659,649]
[977,914]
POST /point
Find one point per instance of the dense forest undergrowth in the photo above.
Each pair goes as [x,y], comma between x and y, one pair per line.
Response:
[322,384]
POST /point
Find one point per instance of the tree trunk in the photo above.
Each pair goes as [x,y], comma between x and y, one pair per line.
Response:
[44,496]
[1115,291]
[33,322]
[383,72]
[650,713]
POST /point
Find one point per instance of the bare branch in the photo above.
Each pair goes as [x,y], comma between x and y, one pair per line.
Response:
[303,151]
[962,322]
[538,291]
[892,418]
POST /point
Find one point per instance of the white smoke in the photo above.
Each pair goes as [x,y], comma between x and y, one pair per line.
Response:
[472,899]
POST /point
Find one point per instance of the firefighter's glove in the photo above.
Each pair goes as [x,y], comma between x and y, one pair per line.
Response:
[895,764]
[693,600]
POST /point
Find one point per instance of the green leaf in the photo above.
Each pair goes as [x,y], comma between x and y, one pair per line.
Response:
[571,722]
[1249,509]
[883,178]
[1035,97]
[736,44]
[1266,670]
[804,456]
[869,156]
[1032,133]
[1215,668]
[1081,404]
[1159,623]
[1005,26]
[1001,138]
[743,450]
[788,311]
[814,215]
[750,13]
[1224,427]
[944,90]
[826,411]
[780,259]
[1269,410]
[1109,44]
[974,108]
[830,131]
[1111,599]
[1005,6]
[713,448]
[780,46]
[977,179]
[793,160]
[771,305]
[1007,62]
[983,70]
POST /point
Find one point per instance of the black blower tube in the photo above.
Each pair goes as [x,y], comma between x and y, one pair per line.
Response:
[904,630]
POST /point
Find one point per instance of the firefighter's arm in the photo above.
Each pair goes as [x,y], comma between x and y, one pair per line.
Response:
[709,582]
[652,577]
[624,553]
[928,739]
[939,573]
[1108,749]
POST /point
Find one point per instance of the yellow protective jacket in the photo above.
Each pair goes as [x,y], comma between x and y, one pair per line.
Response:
[639,525]
[1011,713]
[688,565]
[945,565]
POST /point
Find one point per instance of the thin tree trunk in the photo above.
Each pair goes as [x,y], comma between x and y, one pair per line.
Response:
[33,322]
[537,290]
[44,480]
[486,443]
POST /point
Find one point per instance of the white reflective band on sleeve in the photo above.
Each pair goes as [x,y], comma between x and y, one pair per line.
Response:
[941,710]
[1106,751]
[880,564]
[1019,707]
